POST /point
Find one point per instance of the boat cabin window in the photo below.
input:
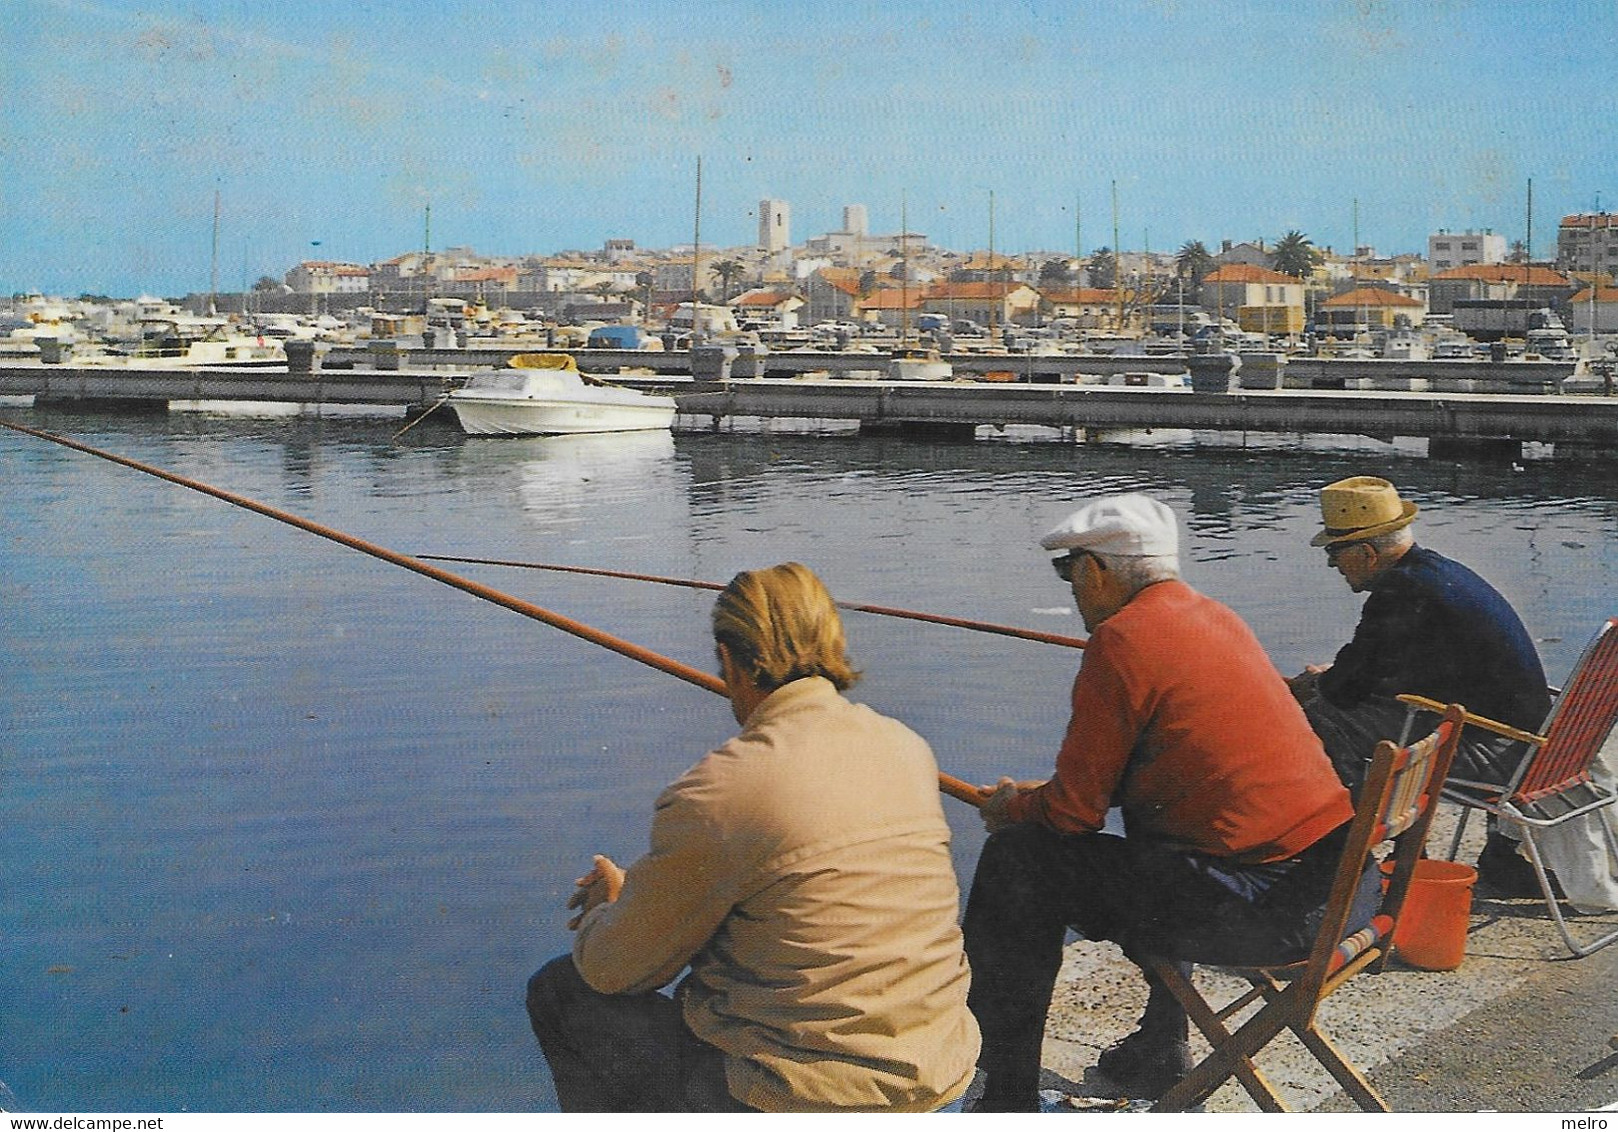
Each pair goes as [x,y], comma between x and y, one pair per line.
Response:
[508,381]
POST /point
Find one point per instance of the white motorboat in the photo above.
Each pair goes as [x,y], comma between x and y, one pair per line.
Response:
[546,395]
[1149,380]
[918,363]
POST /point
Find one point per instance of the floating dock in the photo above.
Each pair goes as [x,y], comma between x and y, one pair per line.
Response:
[1455,423]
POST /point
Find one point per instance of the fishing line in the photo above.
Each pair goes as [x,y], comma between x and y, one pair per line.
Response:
[880,610]
[954,787]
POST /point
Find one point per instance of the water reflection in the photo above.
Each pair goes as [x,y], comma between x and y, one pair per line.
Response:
[300,795]
[558,474]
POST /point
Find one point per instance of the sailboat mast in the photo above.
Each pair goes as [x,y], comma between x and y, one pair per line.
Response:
[904,268]
[1359,312]
[696,257]
[1144,294]
[1117,261]
[992,303]
[1528,239]
[213,270]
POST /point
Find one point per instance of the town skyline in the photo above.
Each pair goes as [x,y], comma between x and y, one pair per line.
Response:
[327,132]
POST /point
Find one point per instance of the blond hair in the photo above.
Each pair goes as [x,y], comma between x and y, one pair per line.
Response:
[779,625]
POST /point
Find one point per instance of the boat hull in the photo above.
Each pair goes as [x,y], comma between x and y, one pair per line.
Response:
[256,365]
[490,416]
[177,362]
[919,369]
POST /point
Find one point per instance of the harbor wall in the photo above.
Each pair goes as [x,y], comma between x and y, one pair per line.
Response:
[1587,425]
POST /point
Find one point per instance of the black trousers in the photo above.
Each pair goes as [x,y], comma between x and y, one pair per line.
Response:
[1033,883]
[1350,736]
[622,1052]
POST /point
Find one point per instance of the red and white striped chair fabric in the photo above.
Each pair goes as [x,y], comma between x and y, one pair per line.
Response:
[1553,782]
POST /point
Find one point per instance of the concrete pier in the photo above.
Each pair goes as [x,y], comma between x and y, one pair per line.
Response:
[1491,424]
[1262,370]
[81,385]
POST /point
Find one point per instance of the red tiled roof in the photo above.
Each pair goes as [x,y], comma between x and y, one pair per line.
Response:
[1247,273]
[1506,273]
[1603,295]
[761,299]
[1083,296]
[996,290]
[1590,220]
[1371,297]
[844,279]
[890,299]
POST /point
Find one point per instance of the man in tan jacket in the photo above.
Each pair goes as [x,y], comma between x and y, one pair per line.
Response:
[802,872]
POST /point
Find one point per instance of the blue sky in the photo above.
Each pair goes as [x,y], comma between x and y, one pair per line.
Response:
[541,126]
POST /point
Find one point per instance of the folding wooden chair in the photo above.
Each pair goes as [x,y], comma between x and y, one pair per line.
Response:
[1396,803]
[1552,784]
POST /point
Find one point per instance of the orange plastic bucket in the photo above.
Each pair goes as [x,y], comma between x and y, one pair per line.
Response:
[1431,933]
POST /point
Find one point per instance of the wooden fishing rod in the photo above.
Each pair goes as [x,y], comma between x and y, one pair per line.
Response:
[882,610]
[954,787]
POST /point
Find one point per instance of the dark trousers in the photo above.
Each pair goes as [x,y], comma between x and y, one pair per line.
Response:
[622,1052]
[1350,736]
[1033,883]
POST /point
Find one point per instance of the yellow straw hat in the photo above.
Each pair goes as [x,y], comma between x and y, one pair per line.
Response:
[1361,507]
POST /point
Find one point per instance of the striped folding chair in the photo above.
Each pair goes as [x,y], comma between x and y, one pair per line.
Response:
[1396,804]
[1552,783]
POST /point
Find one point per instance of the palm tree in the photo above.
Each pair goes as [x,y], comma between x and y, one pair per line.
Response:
[728,271]
[1295,255]
[1193,263]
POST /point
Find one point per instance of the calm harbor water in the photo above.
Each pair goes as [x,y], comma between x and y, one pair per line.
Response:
[286,828]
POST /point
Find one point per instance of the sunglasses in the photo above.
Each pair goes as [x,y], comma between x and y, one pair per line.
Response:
[1333,553]
[1065,565]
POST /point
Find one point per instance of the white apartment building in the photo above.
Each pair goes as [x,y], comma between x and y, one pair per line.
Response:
[1588,242]
[323,277]
[1447,250]
[774,225]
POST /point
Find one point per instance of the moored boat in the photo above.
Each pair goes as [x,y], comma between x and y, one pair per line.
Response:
[911,361]
[181,341]
[546,395]
[918,363]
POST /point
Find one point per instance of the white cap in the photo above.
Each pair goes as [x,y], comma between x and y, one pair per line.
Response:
[1121,524]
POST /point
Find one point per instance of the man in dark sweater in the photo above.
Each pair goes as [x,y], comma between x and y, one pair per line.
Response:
[1430,627]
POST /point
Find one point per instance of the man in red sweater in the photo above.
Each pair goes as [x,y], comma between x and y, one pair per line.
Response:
[1232,814]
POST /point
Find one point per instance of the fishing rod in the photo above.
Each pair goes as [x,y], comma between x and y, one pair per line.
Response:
[948,784]
[882,610]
